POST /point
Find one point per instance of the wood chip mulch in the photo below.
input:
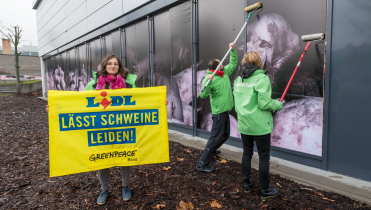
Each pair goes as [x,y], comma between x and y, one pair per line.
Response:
[25,182]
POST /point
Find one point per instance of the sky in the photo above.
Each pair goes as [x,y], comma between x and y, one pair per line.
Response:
[20,12]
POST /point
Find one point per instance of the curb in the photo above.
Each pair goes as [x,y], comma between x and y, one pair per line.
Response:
[353,188]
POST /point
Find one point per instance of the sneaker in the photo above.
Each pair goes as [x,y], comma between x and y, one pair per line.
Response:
[269,193]
[217,152]
[102,197]
[247,185]
[205,169]
[126,193]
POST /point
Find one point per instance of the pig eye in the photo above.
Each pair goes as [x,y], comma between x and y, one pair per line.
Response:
[264,44]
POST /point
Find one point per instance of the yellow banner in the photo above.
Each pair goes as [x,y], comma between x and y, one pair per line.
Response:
[93,130]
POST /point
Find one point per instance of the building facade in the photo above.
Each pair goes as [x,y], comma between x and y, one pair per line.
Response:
[169,42]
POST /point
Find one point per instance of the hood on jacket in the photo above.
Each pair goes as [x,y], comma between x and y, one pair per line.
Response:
[248,70]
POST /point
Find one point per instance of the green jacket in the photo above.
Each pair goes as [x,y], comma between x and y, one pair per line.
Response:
[130,79]
[254,104]
[219,89]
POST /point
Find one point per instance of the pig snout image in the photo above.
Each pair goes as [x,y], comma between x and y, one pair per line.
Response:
[298,126]
[174,108]
[271,36]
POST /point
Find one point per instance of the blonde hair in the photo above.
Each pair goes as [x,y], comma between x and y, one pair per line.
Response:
[253,58]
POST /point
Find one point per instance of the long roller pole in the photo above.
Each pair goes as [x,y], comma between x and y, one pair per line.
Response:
[229,50]
[293,74]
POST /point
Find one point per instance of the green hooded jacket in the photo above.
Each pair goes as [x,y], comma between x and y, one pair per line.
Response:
[130,79]
[219,89]
[254,104]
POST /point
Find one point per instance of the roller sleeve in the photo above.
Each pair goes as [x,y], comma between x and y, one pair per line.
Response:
[252,7]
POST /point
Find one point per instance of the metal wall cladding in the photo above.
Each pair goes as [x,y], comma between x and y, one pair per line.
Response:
[181,73]
[73,71]
[77,17]
[137,52]
[83,74]
[128,5]
[104,14]
[220,22]
[349,139]
[108,45]
[78,30]
[95,55]
[130,50]
[162,59]
[72,5]
[116,45]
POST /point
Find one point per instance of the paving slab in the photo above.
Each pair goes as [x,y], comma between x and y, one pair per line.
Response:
[353,188]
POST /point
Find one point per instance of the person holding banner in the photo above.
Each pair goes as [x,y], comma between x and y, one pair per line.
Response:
[252,95]
[221,100]
[112,75]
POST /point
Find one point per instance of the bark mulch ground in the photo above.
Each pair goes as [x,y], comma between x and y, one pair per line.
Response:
[25,182]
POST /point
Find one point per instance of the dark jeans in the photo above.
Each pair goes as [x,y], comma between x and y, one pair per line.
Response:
[219,134]
[263,143]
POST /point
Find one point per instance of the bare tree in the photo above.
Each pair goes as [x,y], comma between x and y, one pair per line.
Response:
[14,33]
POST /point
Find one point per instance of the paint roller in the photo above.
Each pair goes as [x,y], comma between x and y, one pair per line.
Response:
[248,9]
[306,38]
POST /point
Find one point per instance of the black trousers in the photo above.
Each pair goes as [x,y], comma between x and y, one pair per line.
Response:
[219,134]
[263,143]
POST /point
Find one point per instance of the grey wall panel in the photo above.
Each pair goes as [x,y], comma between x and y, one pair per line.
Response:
[47,8]
[105,14]
[38,17]
[47,18]
[38,9]
[58,5]
[76,16]
[59,16]
[61,39]
[349,139]
[38,26]
[49,12]
[41,34]
[128,5]
[93,5]
[48,38]
[59,25]
[78,30]
[72,5]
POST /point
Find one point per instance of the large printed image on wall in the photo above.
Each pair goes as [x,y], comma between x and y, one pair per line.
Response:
[274,32]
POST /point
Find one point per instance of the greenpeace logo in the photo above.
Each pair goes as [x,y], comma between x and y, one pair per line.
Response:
[245,85]
[115,101]
[115,154]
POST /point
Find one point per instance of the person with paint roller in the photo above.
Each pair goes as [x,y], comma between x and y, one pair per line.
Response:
[252,96]
[221,101]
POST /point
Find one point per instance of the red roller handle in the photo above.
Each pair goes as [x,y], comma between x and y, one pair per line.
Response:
[297,66]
